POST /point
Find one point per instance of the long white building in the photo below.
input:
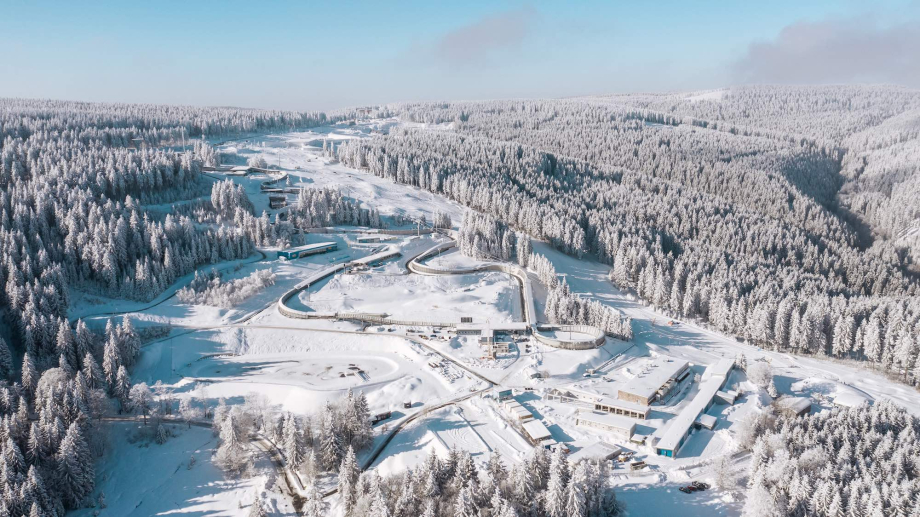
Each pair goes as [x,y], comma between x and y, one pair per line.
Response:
[678,431]
[618,426]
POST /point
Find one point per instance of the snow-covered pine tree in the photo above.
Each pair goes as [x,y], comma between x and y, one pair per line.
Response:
[292,441]
[75,475]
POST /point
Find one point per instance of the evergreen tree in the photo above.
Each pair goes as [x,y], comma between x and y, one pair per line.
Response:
[6,360]
[348,478]
[75,476]
[313,505]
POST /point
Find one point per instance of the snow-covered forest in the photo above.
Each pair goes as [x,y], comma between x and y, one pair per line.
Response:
[323,207]
[761,230]
[311,444]
[211,289]
[785,217]
[545,484]
[74,179]
[856,461]
[50,431]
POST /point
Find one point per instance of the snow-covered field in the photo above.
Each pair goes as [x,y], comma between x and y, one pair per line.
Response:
[490,296]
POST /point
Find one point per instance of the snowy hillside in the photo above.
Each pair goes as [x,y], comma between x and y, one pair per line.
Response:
[617,305]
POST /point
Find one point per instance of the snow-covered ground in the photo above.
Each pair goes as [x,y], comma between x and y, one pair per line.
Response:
[298,365]
[173,482]
[300,155]
[489,296]
[692,342]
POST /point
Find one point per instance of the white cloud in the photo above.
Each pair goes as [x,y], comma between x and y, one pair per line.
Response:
[481,41]
[853,50]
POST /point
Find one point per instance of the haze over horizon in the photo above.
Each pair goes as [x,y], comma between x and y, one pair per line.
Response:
[323,56]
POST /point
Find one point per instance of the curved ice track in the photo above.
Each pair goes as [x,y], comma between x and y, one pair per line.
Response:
[596,336]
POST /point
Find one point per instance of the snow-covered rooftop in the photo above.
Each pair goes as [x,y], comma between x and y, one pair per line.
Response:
[654,376]
[707,421]
[536,430]
[712,382]
[608,420]
[596,450]
[313,246]
[797,405]
[849,399]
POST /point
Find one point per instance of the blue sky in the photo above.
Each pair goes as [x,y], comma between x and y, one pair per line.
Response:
[324,55]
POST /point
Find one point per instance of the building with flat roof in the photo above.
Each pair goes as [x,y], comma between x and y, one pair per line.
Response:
[714,379]
[622,407]
[707,421]
[276,201]
[466,328]
[598,450]
[660,380]
[727,397]
[517,411]
[597,402]
[309,249]
[536,432]
[618,426]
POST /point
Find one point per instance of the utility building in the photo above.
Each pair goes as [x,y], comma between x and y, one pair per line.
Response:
[276,201]
[794,406]
[622,408]
[517,411]
[599,403]
[536,432]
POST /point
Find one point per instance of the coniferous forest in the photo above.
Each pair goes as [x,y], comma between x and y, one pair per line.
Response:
[74,181]
[787,216]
